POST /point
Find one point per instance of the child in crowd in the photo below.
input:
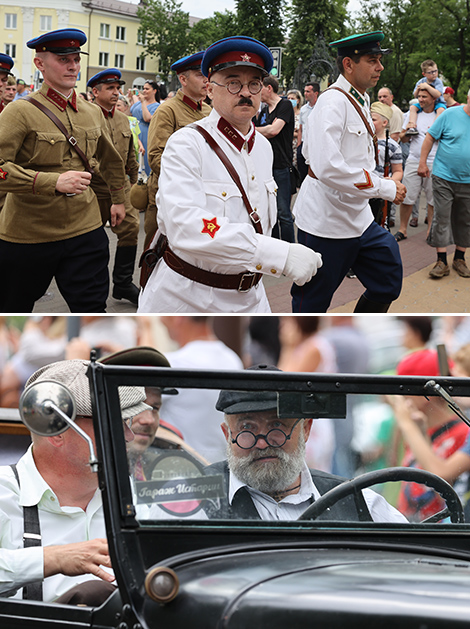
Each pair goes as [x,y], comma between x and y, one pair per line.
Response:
[381,115]
[435,87]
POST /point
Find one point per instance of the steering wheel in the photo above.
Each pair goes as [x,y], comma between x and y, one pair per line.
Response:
[453,508]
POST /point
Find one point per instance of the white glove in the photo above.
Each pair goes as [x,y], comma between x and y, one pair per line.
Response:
[302,263]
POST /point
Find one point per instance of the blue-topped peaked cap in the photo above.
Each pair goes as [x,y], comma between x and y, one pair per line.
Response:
[61,42]
[236,51]
[111,75]
[362,44]
[6,63]
[190,62]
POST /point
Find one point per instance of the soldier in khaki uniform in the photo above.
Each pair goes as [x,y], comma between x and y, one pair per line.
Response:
[50,225]
[184,108]
[105,86]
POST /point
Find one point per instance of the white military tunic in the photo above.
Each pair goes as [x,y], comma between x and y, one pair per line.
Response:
[201,211]
[340,152]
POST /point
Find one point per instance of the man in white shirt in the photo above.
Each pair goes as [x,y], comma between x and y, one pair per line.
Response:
[311,93]
[216,250]
[266,474]
[332,212]
[412,180]
[57,487]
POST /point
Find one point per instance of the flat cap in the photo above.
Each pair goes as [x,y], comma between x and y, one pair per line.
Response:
[72,374]
[361,44]
[6,63]
[235,402]
[190,62]
[61,42]
[236,51]
[111,75]
[142,356]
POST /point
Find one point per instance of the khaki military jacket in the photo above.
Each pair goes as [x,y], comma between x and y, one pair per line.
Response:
[172,115]
[34,152]
[121,135]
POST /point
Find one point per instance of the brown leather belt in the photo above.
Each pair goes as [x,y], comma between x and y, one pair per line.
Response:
[311,173]
[242,282]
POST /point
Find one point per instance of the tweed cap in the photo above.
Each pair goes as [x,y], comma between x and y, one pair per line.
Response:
[72,373]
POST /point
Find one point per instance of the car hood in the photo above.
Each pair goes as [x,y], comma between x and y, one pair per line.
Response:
[279,589]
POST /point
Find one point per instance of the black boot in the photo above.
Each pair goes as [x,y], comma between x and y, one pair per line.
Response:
[124,262]
[367,305]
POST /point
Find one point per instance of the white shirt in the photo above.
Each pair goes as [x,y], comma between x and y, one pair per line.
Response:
[341,154]
[59,525]
[194,186]
[424,122]
[291,507]
[193,411]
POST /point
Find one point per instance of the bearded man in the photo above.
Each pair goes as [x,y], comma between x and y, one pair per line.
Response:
[266,476]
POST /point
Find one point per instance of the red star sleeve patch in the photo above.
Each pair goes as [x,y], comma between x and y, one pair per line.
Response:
[368,182]
[3,174]
[210,226]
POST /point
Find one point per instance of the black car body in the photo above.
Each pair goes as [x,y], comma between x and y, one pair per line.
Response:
[179,569]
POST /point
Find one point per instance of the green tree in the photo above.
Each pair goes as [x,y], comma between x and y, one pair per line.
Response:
[262,20]
[309,20]
[211,29]
[166,27]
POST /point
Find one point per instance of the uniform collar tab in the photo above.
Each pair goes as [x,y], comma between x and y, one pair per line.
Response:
[235,137]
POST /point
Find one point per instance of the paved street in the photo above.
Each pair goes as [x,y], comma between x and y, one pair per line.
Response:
[419,295]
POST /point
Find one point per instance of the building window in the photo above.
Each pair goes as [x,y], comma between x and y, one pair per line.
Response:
[10,49]
[140,36]
[104,30]
[45,22]
[10,20]
[140,65]
[103,59]
[121,33]
[118,61]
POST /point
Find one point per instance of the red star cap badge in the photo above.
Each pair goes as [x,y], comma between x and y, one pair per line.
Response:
[210,226]
[3,174]
[246,57]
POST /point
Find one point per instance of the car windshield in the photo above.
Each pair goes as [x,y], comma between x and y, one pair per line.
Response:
[263,453]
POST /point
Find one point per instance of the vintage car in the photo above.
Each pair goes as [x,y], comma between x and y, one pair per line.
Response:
[180,561]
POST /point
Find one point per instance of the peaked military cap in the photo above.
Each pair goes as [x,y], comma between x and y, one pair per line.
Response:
[61,42]
[6,63]
[112,75]
[236,51]
[362,44]
[190,62]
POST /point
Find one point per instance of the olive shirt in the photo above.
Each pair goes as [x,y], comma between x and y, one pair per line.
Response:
[173,114]
[120,132]
[34,152]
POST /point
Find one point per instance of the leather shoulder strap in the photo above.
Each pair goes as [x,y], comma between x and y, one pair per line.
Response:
[255,220]
[58,123]
[31,537]
[363,118]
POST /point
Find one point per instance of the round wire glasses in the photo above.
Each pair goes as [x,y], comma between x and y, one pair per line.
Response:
[234,86]
[275,438]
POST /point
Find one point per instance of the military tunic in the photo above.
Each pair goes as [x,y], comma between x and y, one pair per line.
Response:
[34,152]
[120,132]
[172,115]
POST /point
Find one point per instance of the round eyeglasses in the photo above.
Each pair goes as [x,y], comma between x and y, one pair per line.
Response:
[235,86]
[275,438]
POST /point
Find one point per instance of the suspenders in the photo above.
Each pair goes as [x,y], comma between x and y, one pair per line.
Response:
[31,537]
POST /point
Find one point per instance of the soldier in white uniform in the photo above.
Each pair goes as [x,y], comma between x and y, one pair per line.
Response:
[215,256]
[332,212]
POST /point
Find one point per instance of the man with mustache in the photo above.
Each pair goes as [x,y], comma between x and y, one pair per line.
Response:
[266,476]
[217,250]
[332,212]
